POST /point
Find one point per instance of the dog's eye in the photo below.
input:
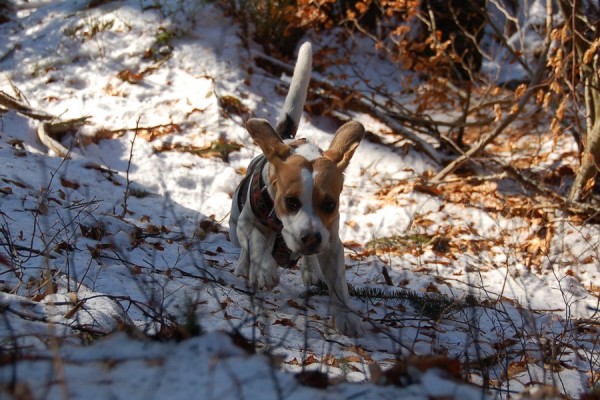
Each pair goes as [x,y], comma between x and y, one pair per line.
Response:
[328,206]
[292,204]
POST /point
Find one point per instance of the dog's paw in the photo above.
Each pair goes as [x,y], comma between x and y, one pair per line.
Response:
[264,276]
[348,323]
[311,278]
[311,275]
[242,266]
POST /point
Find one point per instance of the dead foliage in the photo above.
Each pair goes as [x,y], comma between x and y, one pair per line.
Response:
[149,133]
[231,105]
[407,371]
[218,149]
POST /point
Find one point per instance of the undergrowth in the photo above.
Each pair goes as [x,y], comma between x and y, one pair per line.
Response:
[429,305]
[71,246]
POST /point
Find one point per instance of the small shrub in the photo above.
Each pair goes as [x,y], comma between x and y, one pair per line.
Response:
[270,23]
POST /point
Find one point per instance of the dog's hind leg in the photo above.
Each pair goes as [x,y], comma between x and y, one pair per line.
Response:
[233,218]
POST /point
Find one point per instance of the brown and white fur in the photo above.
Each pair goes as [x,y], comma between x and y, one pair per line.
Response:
[305,184]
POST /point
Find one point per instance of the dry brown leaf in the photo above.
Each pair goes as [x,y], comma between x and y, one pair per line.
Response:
[5,261]
[293,361]
[38,297]
[451,365]
[431,288]
[112,91]
[427,189]
[284,322]
[311,359]
[587,260]
[231,105]
[423,222]
[351,224]
[225,303]
[352,359]
[497,112]
[156,132]
[69,184]
[136,270]
[292,303]
[330,360]
[130,76]
[194,110]
[218,149]
[515,368]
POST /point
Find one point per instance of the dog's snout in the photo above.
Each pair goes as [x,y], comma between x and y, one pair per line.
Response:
[311,240]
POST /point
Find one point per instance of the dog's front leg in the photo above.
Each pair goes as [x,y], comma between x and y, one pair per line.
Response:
[263,268]
[345,319]
[256,261]
[310,270]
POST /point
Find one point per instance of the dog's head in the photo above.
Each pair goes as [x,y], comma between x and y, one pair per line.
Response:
[307,183]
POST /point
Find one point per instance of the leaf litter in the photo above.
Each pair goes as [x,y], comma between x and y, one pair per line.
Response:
[512,279]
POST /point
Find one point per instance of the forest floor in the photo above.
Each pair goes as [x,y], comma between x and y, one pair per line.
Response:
[116,269]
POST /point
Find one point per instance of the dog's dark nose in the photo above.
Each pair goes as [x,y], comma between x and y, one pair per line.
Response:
[311,240]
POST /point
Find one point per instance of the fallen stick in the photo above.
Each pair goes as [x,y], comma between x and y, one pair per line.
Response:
[51,133]
[11,103]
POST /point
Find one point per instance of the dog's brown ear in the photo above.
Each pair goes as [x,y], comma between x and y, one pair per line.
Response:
[345,141]
[267,139]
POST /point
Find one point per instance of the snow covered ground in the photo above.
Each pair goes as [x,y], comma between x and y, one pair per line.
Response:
[129,237]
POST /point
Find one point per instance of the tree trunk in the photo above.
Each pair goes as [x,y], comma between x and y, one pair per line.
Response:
[580,22]
[590,162]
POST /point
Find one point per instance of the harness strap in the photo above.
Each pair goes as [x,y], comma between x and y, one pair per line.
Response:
[260,200]
[254,188]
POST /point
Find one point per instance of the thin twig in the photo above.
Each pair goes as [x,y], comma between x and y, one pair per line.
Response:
[323,88]
[508,119]
[128,181]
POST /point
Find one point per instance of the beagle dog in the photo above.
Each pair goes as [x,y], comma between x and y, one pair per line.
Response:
[287,206]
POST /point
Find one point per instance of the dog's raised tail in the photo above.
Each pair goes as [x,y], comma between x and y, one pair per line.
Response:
[289,119]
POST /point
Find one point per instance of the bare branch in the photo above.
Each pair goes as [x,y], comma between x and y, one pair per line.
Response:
[11,103]
[508,119]
[323,89]
[50,134]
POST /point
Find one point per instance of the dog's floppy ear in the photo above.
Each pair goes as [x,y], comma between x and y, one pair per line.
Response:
[267,139]
[345,141]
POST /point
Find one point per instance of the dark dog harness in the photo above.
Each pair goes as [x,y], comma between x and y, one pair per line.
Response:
[254,188]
